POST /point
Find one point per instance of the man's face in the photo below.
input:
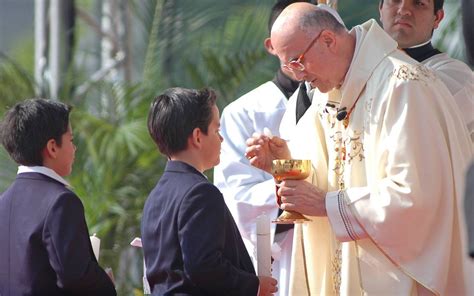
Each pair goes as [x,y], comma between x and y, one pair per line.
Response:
[409,22]
[319,67]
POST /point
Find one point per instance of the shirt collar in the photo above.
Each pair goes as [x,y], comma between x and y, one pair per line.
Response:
[422,52]
[42,170]
[420,45]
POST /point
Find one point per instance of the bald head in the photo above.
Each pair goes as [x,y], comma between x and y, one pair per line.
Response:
[313,44]
[307,18]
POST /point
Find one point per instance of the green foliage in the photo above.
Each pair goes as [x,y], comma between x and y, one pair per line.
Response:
[7,171]
[208,45]
[15,82]
[449,36]
[356,12]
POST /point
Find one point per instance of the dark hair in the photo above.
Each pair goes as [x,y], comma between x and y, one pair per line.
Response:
[176,113]
[438,4]
[29,125]
[277,8]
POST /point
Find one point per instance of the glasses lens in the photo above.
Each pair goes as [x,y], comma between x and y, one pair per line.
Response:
[296,65]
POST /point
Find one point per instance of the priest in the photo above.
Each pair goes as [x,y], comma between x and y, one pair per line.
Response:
[389,153]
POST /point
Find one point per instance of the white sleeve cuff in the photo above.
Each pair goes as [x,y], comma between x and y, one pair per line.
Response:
[343,222]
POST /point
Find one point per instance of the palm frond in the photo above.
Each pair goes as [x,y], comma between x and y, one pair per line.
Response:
[16,83]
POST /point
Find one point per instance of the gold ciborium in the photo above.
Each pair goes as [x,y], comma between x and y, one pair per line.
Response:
[290,169]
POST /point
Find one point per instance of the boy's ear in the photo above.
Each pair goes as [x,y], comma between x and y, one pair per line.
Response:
[195,138]
[50,150]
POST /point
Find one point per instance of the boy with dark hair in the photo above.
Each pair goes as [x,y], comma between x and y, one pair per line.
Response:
[190,241]
[45,247]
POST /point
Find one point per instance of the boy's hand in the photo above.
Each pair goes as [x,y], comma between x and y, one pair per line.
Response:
[268,286]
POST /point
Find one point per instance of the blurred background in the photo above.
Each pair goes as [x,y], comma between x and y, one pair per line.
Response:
[109,58]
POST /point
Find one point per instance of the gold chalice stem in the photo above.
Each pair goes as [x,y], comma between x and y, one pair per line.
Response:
[290,169]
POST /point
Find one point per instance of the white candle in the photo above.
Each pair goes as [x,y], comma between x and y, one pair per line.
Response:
[95,242]
[264,264]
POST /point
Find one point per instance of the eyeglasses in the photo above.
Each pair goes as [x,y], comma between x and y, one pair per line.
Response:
[297,64]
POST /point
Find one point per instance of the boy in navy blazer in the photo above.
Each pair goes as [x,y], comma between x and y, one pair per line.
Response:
[190,241]
[44,246]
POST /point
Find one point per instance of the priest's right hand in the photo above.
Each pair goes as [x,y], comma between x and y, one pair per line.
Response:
[262,150]
[268,286]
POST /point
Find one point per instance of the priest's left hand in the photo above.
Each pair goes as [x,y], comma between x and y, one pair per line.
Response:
[302,197]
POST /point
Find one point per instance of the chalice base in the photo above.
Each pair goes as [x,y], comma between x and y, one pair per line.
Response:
[289,217]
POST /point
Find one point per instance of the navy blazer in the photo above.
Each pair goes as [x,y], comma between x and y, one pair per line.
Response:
[44,246]
[190,241]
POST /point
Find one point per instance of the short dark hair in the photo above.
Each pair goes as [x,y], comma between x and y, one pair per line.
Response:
[278,7]
[29,125]
[438,4]
[176,113]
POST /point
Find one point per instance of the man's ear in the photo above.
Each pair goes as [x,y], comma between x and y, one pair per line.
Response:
[328,38]
[50,150]
[380,5]
[380,11]
[439,15]
[269,46]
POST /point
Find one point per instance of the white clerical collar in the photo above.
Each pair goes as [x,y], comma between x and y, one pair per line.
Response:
[42,170]
[420,45]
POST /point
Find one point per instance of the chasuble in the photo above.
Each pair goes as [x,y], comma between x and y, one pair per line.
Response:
[394,172]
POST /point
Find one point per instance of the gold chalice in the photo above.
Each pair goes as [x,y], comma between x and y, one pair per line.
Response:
[290,169]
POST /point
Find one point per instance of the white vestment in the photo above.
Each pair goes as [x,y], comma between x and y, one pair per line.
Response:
[395,179]
[459,79]
[248,191]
